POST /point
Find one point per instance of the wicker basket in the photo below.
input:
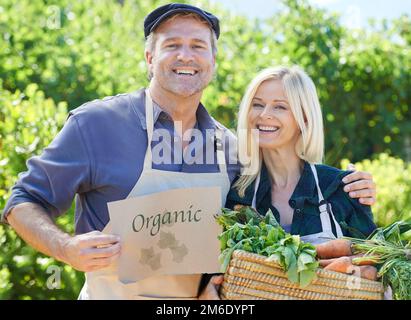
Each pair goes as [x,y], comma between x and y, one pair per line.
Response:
[250,276]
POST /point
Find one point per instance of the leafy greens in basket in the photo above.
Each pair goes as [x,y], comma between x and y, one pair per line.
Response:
[391,254]
[245,229]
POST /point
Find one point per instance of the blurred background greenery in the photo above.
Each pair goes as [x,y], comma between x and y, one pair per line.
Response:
[57,54]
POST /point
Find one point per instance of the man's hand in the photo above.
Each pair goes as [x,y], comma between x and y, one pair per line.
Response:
[85,252]
[360,185]
[210,292]
[91,251]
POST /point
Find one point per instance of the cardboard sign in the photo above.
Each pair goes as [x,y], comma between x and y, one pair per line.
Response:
[171,232]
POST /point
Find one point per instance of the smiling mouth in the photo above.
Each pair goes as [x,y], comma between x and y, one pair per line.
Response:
[267,128]
[185,72]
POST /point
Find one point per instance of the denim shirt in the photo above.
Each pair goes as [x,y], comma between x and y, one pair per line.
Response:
[355,219]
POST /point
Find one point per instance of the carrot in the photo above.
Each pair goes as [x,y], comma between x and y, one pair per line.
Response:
[363,260]
[357,260]
[326,262]
[369,272]
[344,265]
[237,207]
[341,264]
[334,249]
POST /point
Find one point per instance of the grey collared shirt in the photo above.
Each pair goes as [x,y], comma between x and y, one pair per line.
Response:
[98,157]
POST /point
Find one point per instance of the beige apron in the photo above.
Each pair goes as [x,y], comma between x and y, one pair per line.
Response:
[325,213]
[104,283]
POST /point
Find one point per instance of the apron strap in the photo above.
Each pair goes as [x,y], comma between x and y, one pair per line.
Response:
[148,159]
[220,150]
[257,183]
[325,209]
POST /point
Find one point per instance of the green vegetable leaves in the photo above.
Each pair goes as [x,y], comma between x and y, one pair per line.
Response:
[391,254]
[247,230]
[391,233]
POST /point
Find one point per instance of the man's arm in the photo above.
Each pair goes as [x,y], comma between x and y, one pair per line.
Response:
[360,184]
[86,252]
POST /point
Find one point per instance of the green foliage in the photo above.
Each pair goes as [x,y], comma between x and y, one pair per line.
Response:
[28,122]
[75,51]
[393,179]
[361,77]
[404,26]
[391,254]
[81,50]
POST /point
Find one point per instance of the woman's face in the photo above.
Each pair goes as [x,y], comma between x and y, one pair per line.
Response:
[271,115]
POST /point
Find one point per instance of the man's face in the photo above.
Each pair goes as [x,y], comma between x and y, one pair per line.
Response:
[182,62]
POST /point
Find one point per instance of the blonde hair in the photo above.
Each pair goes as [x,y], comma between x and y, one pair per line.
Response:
[305,106]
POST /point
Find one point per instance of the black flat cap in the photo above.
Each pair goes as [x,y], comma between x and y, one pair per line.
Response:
[154,19]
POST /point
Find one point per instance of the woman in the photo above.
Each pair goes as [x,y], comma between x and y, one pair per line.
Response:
[284,171]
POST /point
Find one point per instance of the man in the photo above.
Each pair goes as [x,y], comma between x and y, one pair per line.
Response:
[106,152]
